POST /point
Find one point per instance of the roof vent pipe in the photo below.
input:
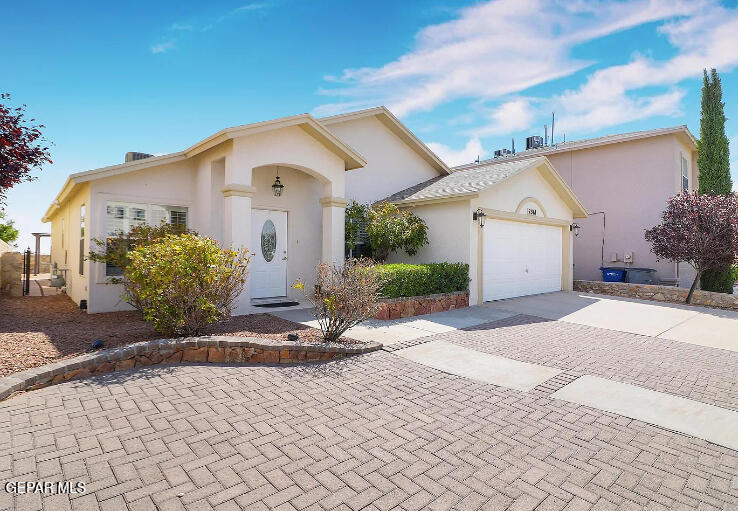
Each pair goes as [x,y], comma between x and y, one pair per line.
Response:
[545,134]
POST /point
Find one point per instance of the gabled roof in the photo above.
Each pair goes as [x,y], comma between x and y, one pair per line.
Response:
[575,145]
[395,126]
[468,183]
[306,122]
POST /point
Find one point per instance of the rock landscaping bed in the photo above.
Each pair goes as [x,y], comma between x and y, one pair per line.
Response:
[35,331]
[205,349]
[658,293]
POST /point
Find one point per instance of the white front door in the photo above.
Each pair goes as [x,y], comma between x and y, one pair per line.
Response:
[520,259]
[269,263]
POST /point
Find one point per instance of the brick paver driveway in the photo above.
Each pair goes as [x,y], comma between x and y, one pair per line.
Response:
[377,432]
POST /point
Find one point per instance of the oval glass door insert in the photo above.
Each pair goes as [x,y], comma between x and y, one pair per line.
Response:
[268,240]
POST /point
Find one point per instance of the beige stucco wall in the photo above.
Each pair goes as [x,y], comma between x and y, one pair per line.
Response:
[448,234]
[391,164]
[65,249]
[631,182]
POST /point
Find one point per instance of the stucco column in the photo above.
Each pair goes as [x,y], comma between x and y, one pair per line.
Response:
[237,231]
[334,233]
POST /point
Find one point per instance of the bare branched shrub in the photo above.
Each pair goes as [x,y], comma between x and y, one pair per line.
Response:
[343,296]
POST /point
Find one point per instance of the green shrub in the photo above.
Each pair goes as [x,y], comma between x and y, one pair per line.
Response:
[398,280]
[182,283]
[719,281]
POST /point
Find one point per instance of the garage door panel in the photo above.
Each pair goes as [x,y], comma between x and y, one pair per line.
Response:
[520,259]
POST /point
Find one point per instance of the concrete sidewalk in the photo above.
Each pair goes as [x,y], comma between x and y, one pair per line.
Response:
[407,329]
[701,326]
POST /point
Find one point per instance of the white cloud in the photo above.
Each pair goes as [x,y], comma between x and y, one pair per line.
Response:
[509,117]
[162,47]
[453,157]
[181,28]
[495,49]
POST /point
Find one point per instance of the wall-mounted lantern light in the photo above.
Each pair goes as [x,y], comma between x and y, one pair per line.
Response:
[479,216]
[277,187]
[575,228]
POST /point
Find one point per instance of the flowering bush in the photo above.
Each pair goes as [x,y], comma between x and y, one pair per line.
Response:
[343,296]
[182,283]
[699,229]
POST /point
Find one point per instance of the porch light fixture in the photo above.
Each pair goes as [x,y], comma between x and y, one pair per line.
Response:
[575,228]
[479,216]
[277,187]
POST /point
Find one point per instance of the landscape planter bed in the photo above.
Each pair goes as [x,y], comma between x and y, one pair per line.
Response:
[658,293]
[405,307]
[209,349]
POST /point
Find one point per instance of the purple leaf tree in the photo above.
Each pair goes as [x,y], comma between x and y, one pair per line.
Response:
[22,147]
[699,229]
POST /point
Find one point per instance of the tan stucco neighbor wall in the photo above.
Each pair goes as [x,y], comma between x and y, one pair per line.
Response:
[630,182]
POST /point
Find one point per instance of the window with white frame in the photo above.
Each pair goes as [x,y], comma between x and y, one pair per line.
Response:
[82,214]
[685,174]
[121,217]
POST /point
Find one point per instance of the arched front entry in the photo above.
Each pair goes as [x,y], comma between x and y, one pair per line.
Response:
[287,235]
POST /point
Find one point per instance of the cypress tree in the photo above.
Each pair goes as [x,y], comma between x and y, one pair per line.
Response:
[713,161]
[713,157]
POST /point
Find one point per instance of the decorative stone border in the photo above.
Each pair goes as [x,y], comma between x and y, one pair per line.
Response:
[405,307]
[659,293]
[212,349]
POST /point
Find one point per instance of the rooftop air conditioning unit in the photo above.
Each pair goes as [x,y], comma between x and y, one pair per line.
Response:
[502,152]
[133,156]
[534,142]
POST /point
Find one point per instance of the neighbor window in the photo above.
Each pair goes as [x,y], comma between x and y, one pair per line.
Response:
[121,217]
[685,174]
[82,212]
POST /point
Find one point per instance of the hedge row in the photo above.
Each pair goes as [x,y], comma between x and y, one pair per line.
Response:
[422,279]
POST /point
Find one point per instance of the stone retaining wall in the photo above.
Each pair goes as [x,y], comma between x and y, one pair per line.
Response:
[659,293]
[405,307]
[212,349]
[11,267]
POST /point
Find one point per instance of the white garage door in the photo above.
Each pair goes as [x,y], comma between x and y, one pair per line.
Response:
[520,259]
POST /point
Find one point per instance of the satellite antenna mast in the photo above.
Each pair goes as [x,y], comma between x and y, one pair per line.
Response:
[553,119]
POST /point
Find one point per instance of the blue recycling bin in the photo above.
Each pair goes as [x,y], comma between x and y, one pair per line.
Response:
[611,274]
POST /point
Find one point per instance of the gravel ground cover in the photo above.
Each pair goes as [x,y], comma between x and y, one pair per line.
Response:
[39,330]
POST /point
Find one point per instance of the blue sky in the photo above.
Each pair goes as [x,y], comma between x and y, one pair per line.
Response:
[464,76]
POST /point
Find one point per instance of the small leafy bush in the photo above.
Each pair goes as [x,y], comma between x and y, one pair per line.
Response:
[182,283]
[719,281]
[398,280]
[343,296]
[391,229]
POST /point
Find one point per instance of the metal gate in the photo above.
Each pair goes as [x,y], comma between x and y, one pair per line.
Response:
[26,272]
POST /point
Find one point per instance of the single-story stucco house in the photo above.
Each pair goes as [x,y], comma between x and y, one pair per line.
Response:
[222,187]
[624,181]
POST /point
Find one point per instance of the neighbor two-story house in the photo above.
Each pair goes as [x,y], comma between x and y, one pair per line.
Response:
[623,180]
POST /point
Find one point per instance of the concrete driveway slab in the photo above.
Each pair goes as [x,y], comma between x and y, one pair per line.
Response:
[454,359]
[696,325]
[711,423]
[396,331]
